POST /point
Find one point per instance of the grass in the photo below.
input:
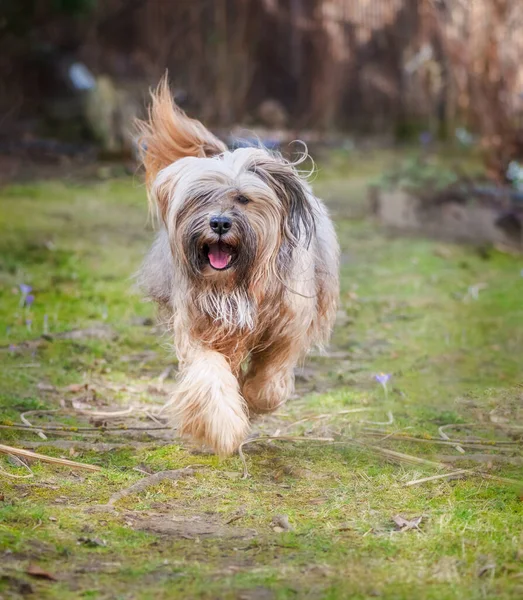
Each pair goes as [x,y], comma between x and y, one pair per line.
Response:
[407,308]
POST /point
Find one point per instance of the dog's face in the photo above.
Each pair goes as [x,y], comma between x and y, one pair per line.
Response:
[233,216]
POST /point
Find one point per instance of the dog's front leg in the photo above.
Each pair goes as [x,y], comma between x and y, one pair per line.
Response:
[207,404]
[269,381]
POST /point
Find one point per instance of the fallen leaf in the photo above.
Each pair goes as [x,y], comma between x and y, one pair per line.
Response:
[36,571]
[403,524]
[281,523]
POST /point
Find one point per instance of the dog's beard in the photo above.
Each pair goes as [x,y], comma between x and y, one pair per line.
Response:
[233,310]
[220,269]
[228,258]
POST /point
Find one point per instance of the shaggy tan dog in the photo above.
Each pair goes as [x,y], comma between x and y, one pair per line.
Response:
[244,267]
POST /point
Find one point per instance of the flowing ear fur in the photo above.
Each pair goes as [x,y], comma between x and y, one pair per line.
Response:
[169,134]
[299,222]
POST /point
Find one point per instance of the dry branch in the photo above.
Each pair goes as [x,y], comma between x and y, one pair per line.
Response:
[50,459]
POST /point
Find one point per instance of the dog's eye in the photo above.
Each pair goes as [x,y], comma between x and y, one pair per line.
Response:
[243,200]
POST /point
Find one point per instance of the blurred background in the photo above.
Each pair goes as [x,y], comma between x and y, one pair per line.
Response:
[75,73]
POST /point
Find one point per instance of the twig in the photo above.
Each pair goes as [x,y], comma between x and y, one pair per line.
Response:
[115,414]
[445,437]
[440,476]
[26,421]
[139,486]
[389,422]
[401,456]
[90,446]
[50,459]
[72,429]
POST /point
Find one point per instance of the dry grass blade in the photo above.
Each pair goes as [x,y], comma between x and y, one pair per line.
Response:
[440,476]
[72,429]
[390,420]
[50,459]
[14,476]
[402,457]
[115,414]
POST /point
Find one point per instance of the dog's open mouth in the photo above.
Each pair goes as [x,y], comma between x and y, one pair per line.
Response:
[220,255]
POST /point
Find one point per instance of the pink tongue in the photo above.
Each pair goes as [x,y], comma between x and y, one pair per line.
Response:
[218,257]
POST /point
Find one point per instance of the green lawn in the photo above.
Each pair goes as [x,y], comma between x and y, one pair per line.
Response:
[445,321]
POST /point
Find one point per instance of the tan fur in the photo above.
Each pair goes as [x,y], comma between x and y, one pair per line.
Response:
[169,134]
[238,333]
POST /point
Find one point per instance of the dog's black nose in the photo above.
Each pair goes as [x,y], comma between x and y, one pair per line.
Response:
[221,224]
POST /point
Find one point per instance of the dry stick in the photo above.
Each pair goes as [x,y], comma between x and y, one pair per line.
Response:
[146,482]
[441,476]
[90,446]
[25,421]
[49,459]
[115,414]
[73,429]
[446,437]
[389,422]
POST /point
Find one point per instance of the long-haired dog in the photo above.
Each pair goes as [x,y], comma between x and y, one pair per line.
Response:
[244,268]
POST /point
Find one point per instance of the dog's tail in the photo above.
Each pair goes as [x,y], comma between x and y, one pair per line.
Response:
[168,134]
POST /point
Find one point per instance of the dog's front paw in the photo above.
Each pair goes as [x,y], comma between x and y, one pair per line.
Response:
[223,429]
[207,405]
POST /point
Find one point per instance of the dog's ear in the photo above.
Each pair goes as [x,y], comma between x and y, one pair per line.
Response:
[282,177]
[169,134]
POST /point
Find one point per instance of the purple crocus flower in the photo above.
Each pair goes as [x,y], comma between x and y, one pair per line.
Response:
[29,299]
[383,378]
[25,289]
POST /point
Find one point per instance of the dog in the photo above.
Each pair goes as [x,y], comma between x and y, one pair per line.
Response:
[244,269]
